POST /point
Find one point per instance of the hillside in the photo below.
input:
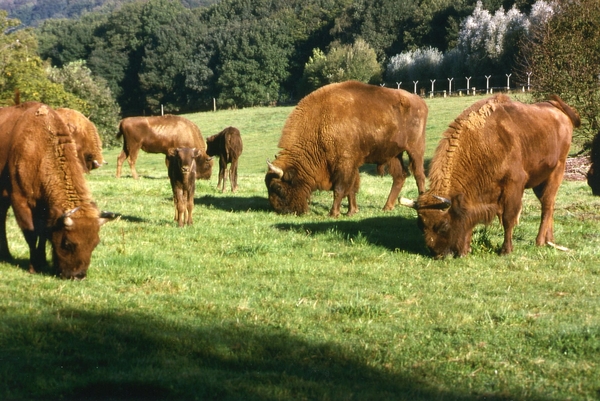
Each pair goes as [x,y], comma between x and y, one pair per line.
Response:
[32,12]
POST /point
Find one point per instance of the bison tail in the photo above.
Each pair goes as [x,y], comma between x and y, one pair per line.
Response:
[568,110]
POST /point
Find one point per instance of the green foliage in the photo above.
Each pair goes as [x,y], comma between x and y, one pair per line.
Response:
[22,70]
[564,59]
[102,109]
[342,63]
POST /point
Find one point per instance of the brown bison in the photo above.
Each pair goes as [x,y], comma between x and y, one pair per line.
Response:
[181,165]
[85,135]
[228,146]
[335,130]
[593,175]
[157,135]
[43,180]
[487,157]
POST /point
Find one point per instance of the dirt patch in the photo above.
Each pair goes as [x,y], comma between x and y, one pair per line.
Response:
[577,168]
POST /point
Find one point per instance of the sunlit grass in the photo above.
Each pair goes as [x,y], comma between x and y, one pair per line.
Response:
[249,305]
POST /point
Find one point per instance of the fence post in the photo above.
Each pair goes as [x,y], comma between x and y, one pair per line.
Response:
[432,86]
[529,81]
[468,82]
[398,83]
[508,82]
[415,82]
[450,86]
[487,86]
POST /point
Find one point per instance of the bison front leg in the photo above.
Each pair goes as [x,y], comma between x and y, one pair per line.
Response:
[510,216]
[37,250]
[190,207]
[398,174]
[4,251]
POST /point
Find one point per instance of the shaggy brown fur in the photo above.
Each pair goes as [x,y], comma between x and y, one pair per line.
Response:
[181,166]
[157,135]
[228,146]
[335,130]
[487,157]
[85,135]
[42,179]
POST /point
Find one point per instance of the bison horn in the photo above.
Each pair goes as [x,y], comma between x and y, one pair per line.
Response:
[442,199]
[66,217]
[408,203]
[274,169]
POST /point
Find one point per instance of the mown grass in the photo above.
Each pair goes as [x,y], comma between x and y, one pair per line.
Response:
[250,305]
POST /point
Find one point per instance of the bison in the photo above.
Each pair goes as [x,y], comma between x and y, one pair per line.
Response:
[157,135]
[336,129]
[85,135]
[42,179]
[593,175]
[181,165]
[227,145]
[486,159]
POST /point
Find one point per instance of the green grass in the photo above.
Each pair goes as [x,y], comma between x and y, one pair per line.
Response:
[250,305]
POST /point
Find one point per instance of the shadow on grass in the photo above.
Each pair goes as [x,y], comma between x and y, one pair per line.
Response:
[391,232]
[70,354]
[234,203]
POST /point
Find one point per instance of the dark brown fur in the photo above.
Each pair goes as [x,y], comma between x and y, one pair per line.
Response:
[157,135]
[593,175]
[489,155]
[85,135]
[43,180]
[181,166]
[335,130]
[228,146]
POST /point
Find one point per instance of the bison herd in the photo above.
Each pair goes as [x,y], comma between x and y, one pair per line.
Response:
[487,157]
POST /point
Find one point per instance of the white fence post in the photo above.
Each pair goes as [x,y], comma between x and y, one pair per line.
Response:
[487,86]
[432,87]
[415,82]
[468,83]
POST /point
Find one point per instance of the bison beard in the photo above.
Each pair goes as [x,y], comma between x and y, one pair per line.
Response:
[335,130]
[490,154]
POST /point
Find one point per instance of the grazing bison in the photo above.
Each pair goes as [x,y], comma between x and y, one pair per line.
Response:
[181,165]
[42,179]
[86,138]
[335,130]
[227,145]
[157,135]
[487,157]
[593,175]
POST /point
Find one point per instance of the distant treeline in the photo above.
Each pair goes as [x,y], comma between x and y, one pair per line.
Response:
[239,52]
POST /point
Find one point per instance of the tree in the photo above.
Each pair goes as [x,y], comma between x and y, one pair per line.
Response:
[563,57]
[22,70]
[103,110]
[342,63]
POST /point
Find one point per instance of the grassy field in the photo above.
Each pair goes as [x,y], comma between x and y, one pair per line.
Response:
[250,305]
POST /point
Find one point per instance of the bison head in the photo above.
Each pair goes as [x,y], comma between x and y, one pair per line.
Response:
[74,237]
[287,195]
[444,223]
[183,159]
[204,165]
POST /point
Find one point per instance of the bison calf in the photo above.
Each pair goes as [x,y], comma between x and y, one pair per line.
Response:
[181,165]
[227,145]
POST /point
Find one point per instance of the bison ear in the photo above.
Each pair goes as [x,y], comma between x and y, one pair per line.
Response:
[171,152]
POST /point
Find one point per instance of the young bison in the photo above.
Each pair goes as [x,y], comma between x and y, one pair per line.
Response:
[227,144]
[181,165]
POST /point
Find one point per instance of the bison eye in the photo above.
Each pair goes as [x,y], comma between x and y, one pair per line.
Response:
[68,245]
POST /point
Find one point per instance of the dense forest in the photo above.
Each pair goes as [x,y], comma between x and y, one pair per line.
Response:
[183,56]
